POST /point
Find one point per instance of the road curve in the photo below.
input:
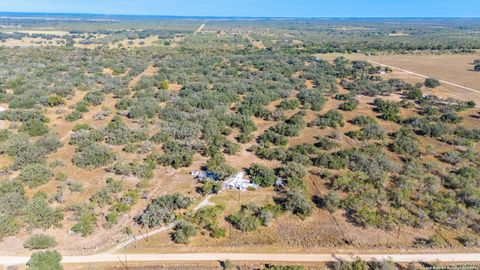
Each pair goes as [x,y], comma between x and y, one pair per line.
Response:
[425,76]
[263,257]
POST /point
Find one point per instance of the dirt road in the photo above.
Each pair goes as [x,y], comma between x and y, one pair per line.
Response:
[204,203]
[199,29]
[425,76]
[105,258]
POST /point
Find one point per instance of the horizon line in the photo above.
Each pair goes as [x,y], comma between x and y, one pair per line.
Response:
[236,17]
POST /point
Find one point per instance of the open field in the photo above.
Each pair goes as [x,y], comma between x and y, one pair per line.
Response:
[448,67]
[454,68]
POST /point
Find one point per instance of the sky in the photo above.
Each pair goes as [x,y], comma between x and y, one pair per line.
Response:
[254,8]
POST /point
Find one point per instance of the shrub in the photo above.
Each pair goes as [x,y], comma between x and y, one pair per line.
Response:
[469,240]
[210,187]
[452,157]
[325,143]
[61,176]
[334,161]
[312,99]
[292,170]
[161,210]
[363,120]
[104,196]
[40,241]
[435,130]
[74,186]
[176,155]
[272,137]
[8,226]
[430,242]
[219,167]
[358,264]
[370,159]
[349,105]
[207,218]
[331,202]
[93,156]
[46,260]
[164,85]
[296,201]
[389,109]
[250,217]
[431,83]
[144,107]
[82,106]
[48,144]
[332,119]
[86,219]
[117,133]
[38,214]
[19,147]
[22,116]
[244,220]
[35,175]
[451,117]
[231,148]
[95,98]
[74,116]
[470,134]
[12,199]
[405,142]
[112,218]
[415,94]
[34,128]
[292,126]
[54,101]
[262,175]
[289,104]
[368,132]
[364,215]
[81,126]
[183,231]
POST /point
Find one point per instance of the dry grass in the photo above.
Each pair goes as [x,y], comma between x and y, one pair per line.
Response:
[258,44]
[454,68]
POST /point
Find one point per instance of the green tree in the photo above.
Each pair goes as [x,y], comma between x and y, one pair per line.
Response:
[262,175]
[38,214]
[297,202]
[40,241]
[35,175]
[54,101]
[431,83]
[47,260]
[164,85]
[183,231]
[85,221]
[34,128]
